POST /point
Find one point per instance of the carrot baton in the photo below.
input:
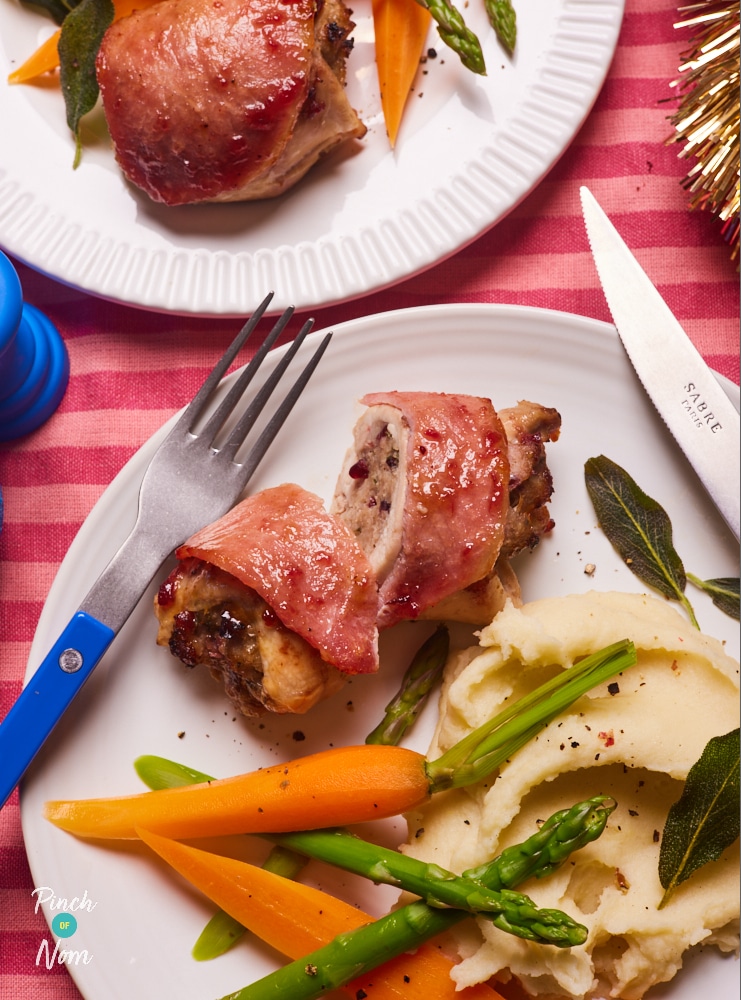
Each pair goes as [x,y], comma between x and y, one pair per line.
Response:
[295,919]
[342,786]
[335,787]
[291,916]
[46,57]
[400,28]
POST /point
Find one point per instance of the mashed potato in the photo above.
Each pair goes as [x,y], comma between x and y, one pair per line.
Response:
[634,740]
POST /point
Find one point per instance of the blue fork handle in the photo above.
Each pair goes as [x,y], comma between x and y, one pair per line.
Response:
[49,692]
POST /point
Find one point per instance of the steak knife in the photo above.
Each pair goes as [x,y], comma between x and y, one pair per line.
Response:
[682,387]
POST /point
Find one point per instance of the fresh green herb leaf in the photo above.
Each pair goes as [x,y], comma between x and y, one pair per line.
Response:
[56,9]
[79,42]
[704,821]
[724,592]
[503,20]
[638,528]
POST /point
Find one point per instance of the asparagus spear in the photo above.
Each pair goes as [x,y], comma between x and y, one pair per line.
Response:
[485,749]
[453,31]
[421,676]
[563,833]
[358,952]
[503,20]
[508,910]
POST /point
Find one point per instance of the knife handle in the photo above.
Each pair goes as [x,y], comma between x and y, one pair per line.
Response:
[42,702]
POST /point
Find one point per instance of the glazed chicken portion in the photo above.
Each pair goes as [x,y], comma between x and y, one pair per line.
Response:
[226,100]
[209,618]
[281,599]
[424,490]
[442,491]
[276,599]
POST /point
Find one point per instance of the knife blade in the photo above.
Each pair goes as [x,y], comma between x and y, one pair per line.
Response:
[679,382]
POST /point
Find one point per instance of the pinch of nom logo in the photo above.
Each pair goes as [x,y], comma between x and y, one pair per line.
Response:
[63,925]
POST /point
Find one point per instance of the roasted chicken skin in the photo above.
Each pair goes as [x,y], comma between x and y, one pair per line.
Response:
[277,599]
[225,100]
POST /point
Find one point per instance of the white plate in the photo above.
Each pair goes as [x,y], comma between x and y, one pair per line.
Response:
[469,150]
[140,698]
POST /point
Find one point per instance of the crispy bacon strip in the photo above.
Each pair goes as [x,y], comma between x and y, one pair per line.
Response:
[305,565]
[226,100]
[425,490]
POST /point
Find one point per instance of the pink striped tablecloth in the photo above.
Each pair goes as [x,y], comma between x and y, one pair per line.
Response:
[131,369]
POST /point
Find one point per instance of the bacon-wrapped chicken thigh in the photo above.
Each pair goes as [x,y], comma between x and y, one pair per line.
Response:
[441,491]
[277,599]
[226,100]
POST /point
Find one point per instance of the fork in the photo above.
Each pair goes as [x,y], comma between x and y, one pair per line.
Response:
[192,479]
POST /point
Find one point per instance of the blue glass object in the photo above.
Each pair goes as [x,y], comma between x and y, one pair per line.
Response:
[34,365]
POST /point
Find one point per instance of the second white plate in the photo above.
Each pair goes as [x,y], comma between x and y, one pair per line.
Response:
[470,149]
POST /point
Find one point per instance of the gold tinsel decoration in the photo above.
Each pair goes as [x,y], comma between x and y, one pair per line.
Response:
[707,119]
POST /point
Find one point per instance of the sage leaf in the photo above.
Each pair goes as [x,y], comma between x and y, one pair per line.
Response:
[638,528]
[704,821]
[724,591]
[79,42]
[56,9]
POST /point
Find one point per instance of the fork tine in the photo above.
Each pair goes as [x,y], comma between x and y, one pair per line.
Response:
[199,402]
[253,411]
[257,451]
[225,408]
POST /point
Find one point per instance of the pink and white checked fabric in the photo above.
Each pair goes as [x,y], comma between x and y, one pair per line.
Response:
[130,370]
